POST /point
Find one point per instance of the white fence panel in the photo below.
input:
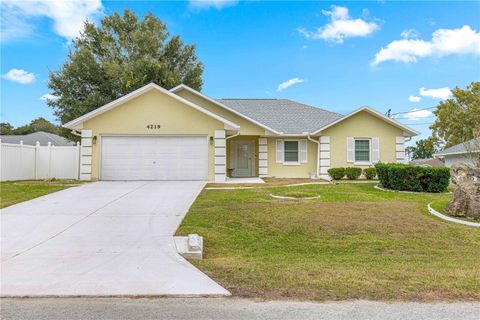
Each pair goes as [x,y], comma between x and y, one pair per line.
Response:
[24,162]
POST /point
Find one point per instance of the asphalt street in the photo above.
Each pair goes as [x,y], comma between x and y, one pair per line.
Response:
[228,309]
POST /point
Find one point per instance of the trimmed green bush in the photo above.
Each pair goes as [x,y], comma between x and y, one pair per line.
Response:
[370,173]
[353,173]
[336,173]
[413,178]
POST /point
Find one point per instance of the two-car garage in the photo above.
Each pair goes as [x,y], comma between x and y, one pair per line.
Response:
[155,157]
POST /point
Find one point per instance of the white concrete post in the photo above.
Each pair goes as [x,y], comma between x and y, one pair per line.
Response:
[21,160]
[263,157]
[77,164]
[220,156]
[86,155]
[49,160]
[324,157]
[400,149]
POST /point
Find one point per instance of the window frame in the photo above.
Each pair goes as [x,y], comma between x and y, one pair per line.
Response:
[362,162]
[291,163]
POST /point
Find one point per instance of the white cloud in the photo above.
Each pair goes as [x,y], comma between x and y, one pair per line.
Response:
[416,114]
[48,96]
[68,16]
[410,34]
[341,26]
[414,99]
[19,76]
[207,4]
[440,93]
[284,85]
[444,42]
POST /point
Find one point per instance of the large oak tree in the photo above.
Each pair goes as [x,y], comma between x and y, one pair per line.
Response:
[120,55]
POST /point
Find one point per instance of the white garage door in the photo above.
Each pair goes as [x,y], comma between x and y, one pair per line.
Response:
[154,158]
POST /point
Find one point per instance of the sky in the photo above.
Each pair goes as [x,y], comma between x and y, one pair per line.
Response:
[401,56]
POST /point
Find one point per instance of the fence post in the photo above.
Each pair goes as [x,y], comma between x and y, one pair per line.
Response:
[49,159]
[37,155]
[21,160]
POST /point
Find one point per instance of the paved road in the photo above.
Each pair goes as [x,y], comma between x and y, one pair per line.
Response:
[101,239]
[229,309]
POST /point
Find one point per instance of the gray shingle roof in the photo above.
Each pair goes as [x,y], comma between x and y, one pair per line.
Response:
[283,115]
[472,145]
[40,136]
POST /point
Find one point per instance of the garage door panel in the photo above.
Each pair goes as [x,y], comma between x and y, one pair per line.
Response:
[154,158]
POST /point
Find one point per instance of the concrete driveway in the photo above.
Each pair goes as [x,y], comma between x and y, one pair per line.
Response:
[101,239]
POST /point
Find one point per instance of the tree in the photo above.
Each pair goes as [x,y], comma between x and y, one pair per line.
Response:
[424,149]
[458,118]
[39,124]
[121,55]
[6,128]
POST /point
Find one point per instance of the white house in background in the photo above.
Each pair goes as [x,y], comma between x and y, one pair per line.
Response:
[460,153]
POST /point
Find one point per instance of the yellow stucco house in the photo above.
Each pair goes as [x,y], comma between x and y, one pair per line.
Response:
[180,134]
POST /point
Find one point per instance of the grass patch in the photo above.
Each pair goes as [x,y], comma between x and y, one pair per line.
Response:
[354,242]
[12,192]
[298,194]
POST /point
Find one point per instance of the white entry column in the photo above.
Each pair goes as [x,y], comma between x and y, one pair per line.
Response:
[400,149]
[220,156]
[324,157]
[263,157]
[86,155]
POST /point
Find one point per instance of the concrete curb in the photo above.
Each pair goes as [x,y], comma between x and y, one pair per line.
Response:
[412,192]
[447,218]
[293,198]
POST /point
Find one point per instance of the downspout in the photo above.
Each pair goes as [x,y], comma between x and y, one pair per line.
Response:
[318,153]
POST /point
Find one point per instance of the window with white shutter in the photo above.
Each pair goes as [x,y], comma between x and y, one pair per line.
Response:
[279,151]
[303,151]
[375,149]
[350,149]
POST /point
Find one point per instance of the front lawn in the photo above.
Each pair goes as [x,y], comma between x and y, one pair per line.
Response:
[12,192]
[354,242]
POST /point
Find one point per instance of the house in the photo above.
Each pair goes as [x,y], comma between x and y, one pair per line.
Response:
[461,152]
[430,162]
[43,139]
[181,134]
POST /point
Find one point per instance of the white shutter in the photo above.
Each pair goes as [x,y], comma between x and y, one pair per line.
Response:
[303,151]
[375,149]
[279,151]
[350,149]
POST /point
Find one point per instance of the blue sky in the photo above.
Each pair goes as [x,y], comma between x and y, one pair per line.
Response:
[335,55]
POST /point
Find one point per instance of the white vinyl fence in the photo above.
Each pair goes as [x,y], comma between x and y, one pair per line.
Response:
[24,162]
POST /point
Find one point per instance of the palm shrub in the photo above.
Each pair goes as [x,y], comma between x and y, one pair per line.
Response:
[370,173]
[336,173]
[353,173]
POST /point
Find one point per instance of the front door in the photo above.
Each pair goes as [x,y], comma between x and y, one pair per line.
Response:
[243,158]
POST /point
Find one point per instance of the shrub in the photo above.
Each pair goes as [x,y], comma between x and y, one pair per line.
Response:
[413,178]
[353,172]
[336,173]
[370,173]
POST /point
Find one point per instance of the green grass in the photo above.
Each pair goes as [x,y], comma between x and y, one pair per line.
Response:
[440,205]
[13,192]
[354,242]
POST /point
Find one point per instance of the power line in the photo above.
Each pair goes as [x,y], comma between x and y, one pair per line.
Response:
[392,114]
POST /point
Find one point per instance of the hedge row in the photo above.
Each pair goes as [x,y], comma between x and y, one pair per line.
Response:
[352,173]
[413,178]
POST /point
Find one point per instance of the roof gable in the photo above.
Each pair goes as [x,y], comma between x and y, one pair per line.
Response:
[409,131]
[77,123]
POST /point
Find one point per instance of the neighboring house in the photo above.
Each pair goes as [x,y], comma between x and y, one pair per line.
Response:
[180,134]
[430,162]
[461,152]
[42,137]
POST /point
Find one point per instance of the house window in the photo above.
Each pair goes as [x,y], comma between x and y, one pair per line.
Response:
[291,151]
[362,150]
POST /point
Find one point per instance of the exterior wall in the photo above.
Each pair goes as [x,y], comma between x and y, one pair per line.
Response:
[362,125]
[153,107]
[454,158]
[246,127]
[302,170]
